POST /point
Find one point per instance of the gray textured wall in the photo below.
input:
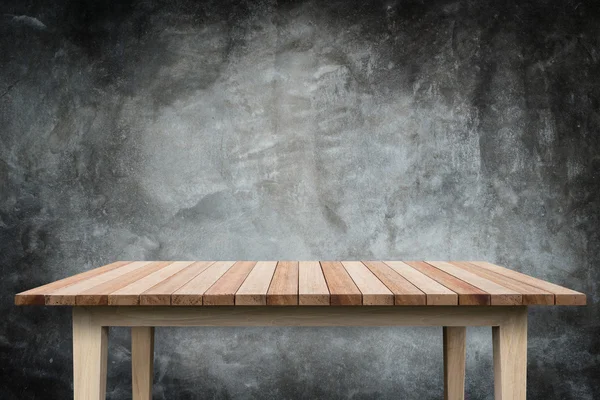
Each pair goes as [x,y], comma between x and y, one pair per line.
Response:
[299,130]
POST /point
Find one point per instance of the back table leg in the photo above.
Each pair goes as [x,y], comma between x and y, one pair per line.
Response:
[89,356]
[510,356]
[142,361]
[454,362]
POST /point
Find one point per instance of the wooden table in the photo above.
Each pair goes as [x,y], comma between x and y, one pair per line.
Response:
[453,295]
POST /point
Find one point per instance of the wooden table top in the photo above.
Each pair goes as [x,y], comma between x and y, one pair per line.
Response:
[209,283]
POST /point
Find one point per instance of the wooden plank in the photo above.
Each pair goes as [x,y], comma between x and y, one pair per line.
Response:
[283,290]
[405,293]
[191,294]
[222,293]
[67,295]
[499,295]
[343,291]
[451,283]
[303,316]
[98,295]
[36,296]
[312,288]
[374,292]
[455,357]
[253,291]
[562,295]
[160,294]
[142,362]
[467,294]
[130,294]
[531,294]
[437,294]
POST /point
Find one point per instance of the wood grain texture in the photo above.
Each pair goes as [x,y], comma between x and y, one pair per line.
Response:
[368,283]
[36,296]
[455,357]
[283,290]
[90,352]
[436,293]
[160,294]
[67,295]
[562,295]
[312,288]
[253,291]
[222,293]
[343,291]
[467,294]
[98,295]
[509,342]
[374,292]
[302,316]
[130,294]
[142,362]
[531,294]
[405,293]
[192,292]
[499,295]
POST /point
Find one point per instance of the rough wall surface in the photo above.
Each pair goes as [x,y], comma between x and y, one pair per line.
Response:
[299,130]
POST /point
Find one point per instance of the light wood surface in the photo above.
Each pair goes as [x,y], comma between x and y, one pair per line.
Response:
[302,316]
[499,295]
[342,290]
[374,292]
[160,294]
[563,296]
[455,356]
[509,341]
[531,295]
[90,341]
[222,293]
[36,296]
[468,295]
[436,293]
[142,362]
[312,288]
[325,283]
[67,295]
[284,285]
[253,291]
[405,293]
[98,295]
[191,293]
[130,295]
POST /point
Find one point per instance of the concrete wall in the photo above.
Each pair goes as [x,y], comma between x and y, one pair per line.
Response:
[299,130]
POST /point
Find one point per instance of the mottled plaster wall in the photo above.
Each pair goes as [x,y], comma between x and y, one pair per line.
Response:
[299,130]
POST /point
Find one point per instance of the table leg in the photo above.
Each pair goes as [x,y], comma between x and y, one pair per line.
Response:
[510,357]
[90,342]
[454,362]
[142,361]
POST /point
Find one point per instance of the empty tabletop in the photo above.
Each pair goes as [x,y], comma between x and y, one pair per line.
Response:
[301,283]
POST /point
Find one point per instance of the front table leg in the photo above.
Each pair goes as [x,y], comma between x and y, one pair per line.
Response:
[89,356]
[142,361]
[510,356]
[454,362]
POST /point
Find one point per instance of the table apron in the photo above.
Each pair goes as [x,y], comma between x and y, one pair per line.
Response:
[301,316]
